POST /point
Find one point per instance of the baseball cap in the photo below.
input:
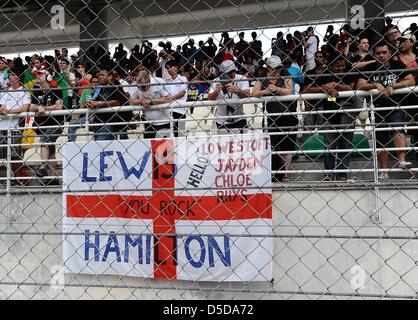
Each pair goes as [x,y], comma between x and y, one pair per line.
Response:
[274,62]
[228,66]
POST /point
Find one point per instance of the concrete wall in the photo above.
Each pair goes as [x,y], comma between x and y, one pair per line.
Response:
[319,236]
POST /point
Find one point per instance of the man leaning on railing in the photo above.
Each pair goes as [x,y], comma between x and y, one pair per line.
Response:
[110,95]
[314,120]
[385,78]
[14,101]
[332,82]
[151,92]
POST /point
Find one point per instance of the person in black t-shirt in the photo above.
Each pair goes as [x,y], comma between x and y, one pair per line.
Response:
[206,75]
[44,99]
[362,58]
[312,120]
[110,95]
[334,81]
[385,79]
[278,123]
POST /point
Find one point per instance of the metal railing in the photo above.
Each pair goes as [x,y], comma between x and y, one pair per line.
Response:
[299,173]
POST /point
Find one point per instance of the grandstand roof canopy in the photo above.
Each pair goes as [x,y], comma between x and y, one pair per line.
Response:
[25,25]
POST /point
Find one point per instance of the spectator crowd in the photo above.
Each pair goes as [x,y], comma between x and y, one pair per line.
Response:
[295,63]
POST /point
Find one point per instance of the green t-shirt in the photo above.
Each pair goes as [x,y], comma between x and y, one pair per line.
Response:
[85,95]
[63,82]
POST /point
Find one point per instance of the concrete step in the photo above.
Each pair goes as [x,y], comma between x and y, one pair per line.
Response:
[305,164]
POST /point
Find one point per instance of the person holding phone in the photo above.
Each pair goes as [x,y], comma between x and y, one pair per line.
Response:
[230,85]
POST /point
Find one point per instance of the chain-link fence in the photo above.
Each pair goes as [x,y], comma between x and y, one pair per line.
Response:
[208,150]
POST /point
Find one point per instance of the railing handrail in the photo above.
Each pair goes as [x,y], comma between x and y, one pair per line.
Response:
[219,80]
[219,102]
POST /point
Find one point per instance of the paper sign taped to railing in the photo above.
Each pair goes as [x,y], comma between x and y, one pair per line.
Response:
[197,209]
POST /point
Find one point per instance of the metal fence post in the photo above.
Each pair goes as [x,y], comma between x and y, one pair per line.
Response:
[376,217]
[87,124]
[8,171]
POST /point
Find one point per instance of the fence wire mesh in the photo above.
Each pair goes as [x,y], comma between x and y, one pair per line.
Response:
[151,150]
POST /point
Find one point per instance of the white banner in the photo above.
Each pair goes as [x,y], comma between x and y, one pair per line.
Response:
[189,209]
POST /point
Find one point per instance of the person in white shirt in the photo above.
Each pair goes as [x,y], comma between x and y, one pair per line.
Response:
[13,101]
[230,85]
[149,93]
[177,88]
[164,57]
[117,75]
[128,86]
[163,65]
[311,45]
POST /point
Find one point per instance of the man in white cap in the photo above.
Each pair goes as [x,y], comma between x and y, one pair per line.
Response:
[279,83]
[230,85]
[406,50]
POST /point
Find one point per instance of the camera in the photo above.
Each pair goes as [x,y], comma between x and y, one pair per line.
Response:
[162,44]
[230,110]
[166,48]
[165,45]
[146,47]
[225,81]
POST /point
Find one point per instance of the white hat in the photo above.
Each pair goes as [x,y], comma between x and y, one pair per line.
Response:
[228,66]
[274,62]
[408,36]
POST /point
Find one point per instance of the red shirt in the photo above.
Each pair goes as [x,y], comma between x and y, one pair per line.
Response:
[409,64]
[228,56]
[82,84]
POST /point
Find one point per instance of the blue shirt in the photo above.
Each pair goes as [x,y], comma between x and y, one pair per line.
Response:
[195,93]
[297,77]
